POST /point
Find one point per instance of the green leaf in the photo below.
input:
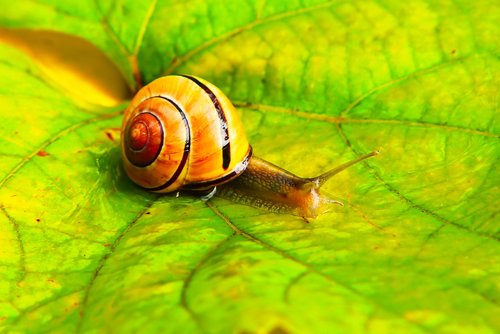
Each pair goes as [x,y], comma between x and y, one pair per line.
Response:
[317,83]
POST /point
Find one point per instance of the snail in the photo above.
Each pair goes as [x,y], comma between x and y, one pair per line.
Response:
[181,132]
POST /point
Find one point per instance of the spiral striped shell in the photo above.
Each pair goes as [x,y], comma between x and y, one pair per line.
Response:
[181,132]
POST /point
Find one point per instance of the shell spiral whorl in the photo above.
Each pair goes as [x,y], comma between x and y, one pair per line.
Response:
[143,139]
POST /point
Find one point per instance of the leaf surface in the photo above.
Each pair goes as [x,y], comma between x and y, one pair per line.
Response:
[317,83]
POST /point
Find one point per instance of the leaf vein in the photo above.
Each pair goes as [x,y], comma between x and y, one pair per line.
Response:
[192,273]
[394,81]
[307,266]
[143,27]
[294,281]
[56,137]
[178,61]
[22,255]
[104,259]
[407,200]
[345,120]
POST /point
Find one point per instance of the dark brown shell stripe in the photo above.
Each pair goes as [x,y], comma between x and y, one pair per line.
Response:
[226,148]
[187,147]
[225,178]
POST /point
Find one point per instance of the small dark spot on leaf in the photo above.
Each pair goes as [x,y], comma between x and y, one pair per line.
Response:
[110,135]
[453,51]
[106,245]
[42,153]
[38,220]
[148,213]
[51,280]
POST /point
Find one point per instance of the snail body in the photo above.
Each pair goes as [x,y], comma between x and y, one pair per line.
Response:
[183,133]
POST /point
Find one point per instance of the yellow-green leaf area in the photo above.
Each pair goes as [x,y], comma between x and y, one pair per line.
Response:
[414,249]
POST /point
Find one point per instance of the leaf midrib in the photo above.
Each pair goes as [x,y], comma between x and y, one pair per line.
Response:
[348,120]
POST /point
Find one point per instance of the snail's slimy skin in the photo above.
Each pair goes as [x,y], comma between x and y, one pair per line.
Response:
[183,133]
[272,188]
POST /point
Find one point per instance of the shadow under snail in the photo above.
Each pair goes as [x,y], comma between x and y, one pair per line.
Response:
[182,133]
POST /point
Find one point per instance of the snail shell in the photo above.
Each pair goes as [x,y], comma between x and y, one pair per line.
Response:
[181,132]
